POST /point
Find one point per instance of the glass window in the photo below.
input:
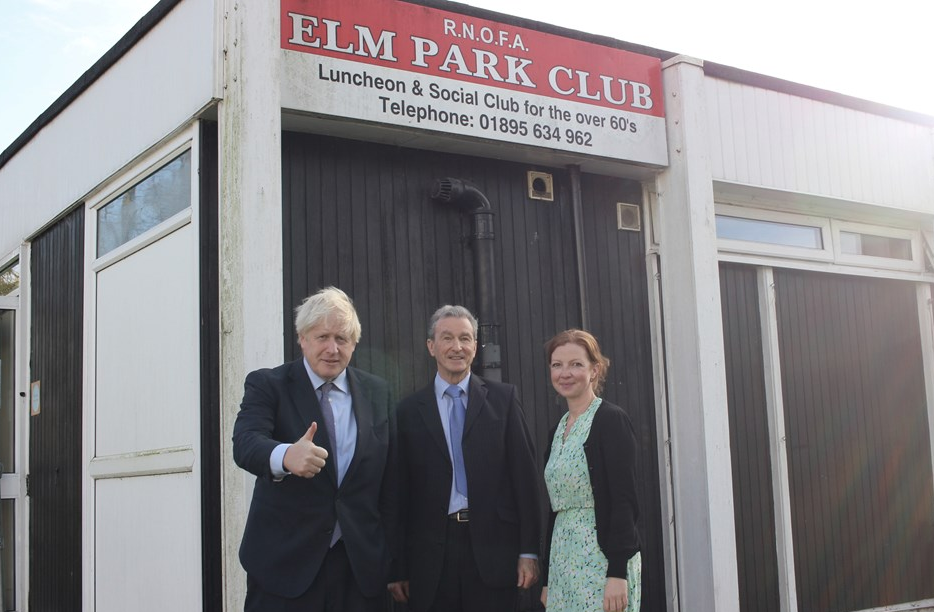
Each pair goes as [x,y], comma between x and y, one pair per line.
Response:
[853,243]
[7,390]
[145,205]
[9,279]
[770,232]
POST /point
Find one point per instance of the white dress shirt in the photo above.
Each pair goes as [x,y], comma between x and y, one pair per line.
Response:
[345,425]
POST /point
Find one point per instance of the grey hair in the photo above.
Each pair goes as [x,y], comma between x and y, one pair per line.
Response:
[331,304]
[451,311]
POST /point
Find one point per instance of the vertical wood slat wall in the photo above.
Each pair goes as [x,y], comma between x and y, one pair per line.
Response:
[859,456]
[753,500]
[359,216]
[617,300]
[212,563]
[55,472]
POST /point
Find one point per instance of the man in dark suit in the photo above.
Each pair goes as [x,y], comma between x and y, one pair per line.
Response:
[466,499]
[316,434]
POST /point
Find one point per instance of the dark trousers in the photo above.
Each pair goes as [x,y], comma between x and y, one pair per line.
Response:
[333,590]
[461,589]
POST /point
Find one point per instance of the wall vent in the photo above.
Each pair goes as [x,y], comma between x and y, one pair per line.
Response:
[541,186]
[628,217]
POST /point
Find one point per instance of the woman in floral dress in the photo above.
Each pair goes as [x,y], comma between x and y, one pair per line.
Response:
[594,562]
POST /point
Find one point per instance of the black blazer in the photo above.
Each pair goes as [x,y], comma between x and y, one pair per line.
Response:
[288,530]
[611,459]
[502,482]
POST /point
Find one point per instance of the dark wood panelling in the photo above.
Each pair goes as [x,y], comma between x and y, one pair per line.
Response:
[859,455]
[400,255]
[617,300]
[359,216]
[55,475]
[211,554]
[753,501]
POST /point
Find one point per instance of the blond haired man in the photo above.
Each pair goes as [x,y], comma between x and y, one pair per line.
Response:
[315,432]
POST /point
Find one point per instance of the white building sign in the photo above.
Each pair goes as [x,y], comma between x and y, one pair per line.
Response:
[407,65]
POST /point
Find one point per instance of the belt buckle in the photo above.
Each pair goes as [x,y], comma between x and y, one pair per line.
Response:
[462,516]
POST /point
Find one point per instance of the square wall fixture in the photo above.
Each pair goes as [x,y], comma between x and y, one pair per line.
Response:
[541,186]
[628,217]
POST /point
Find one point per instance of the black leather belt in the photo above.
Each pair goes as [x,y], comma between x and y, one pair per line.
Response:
[461,516]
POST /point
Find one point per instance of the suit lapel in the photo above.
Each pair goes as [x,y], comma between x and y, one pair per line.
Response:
[428,409]
[305,399]
[476,400]
[363,414]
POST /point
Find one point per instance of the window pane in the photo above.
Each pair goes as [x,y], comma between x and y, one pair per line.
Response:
[8,554]
[852,243]
[9,279]
[7,390]
[771,232]
[145,205]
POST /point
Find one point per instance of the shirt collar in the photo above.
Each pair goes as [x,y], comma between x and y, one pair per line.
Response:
[340,381]
[441,385]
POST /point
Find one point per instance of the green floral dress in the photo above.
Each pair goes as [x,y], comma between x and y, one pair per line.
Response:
[577,574]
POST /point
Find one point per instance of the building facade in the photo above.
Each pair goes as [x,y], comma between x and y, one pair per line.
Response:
[754,255]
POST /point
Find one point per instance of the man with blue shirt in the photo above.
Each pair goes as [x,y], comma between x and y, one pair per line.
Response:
[315,432]
[466,488]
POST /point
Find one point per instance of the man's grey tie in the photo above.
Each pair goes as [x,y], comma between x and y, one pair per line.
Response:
[328,413]
[458,414]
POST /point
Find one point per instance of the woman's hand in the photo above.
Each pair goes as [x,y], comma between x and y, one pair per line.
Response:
[615,595]
[544,597]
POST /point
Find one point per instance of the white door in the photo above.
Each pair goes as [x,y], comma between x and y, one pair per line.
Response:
[144,394]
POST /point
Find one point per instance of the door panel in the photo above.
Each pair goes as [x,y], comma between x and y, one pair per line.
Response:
[11,480]
[753,500]
[146,466]
[862,492]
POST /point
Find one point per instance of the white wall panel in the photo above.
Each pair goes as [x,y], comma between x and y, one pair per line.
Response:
[144,545]
[155,87]
[764,138]
[148,369]
[148,548]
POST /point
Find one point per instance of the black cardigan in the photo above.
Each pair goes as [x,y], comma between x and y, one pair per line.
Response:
[611,459]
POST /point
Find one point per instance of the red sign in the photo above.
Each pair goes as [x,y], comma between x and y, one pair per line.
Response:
[419,39]
[411,66]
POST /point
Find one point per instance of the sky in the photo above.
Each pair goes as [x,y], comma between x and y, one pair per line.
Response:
[879,51]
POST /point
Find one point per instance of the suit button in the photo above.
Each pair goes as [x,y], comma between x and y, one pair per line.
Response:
[330,532]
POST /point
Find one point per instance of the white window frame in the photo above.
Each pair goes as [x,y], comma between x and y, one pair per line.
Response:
[916,263]
[14,484]
[825,253]
[133,175]
[828,259]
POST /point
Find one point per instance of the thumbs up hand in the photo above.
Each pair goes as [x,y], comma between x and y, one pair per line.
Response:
[305,458]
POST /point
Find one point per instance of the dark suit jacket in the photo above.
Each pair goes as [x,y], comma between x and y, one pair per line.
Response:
[289,527]
[502,484]
[611,459]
